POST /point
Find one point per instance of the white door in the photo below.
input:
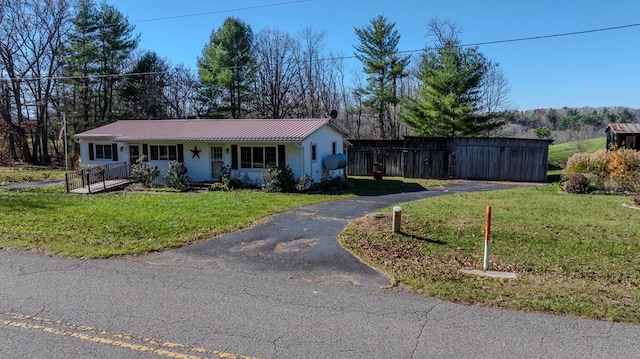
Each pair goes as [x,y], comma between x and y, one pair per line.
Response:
[217,161]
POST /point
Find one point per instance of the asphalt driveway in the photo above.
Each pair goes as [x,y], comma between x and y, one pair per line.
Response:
[302,243]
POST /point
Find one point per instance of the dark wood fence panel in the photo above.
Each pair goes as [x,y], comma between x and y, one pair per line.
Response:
[497,159]
[501,159]
[365,153]
[428,157]
[427,164]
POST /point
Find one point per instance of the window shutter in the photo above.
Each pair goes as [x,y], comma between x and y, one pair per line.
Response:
[114,152]
[91,153]
[180,152]
[145,151]
[281,160]
[234,157]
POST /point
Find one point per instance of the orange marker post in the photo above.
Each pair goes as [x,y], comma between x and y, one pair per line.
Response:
[487,230]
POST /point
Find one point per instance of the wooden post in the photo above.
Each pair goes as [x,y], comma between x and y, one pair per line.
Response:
[397,218]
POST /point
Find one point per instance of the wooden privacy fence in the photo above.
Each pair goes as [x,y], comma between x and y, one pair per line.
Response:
[496,159]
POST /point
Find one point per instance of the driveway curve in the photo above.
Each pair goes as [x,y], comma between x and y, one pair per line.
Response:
[301,243]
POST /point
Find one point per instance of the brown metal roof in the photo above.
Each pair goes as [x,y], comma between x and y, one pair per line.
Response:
[236,130]
[624,127]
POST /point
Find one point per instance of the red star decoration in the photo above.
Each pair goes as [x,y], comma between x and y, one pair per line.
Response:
[196,152]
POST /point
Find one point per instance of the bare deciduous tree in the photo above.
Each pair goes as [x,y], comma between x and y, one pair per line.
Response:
[180,93]
[277,66]
[31,39]
[494,90]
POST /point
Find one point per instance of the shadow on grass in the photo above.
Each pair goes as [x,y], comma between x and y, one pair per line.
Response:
[423,239]
[554,178]
[371,187]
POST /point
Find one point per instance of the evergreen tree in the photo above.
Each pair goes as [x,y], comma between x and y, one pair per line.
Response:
[99,43]
[143,90]
[378,52]
[116,42]
[227,68]
[81,63]
[448,102]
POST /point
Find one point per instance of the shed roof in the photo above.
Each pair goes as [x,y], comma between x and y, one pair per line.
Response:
[236,130]
[619,128]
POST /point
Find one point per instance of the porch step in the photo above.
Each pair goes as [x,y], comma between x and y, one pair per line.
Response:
[200,186]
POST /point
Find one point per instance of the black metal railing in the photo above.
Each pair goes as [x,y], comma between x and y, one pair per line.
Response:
[97,176]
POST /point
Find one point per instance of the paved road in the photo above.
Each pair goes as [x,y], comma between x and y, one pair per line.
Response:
[26,185]
[280,290]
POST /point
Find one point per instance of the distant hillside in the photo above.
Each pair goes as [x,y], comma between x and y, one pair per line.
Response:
[565,124]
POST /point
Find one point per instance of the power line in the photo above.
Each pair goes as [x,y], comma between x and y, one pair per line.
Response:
[565,34]
[554,35]
[222,11]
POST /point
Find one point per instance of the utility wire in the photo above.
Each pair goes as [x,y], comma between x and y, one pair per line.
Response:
[573,33]
[93,26]
[222,11]
[554,35]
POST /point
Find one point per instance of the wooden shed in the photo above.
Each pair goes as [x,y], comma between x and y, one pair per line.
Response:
[495,159]
[625,135]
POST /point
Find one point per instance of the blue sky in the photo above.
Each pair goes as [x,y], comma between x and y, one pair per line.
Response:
[592,69]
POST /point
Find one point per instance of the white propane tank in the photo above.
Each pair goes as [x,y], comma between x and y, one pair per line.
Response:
[336,161]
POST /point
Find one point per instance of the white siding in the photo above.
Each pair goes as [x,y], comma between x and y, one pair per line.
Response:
[323,139]
[199,169]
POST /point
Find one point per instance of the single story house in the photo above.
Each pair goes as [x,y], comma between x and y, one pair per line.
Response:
[625,135]
[244,147]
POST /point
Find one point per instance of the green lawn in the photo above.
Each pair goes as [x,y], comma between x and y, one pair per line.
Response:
[559,154]
[574,255]
[103,225]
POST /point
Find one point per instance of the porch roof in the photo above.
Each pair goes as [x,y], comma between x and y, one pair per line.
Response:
[226,130]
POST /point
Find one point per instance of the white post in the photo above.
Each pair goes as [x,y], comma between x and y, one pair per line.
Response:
[397,218]
[487,228]
[66,161]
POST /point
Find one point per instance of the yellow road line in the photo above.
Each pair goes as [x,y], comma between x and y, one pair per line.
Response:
[95,335]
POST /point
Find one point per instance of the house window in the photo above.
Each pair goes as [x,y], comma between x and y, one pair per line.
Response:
[270,156]
[314,152]
[159,153]
[333,147]
[103,152]
[257,157]
[134,154]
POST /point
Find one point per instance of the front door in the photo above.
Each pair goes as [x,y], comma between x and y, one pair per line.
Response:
[134,154]
[217,162]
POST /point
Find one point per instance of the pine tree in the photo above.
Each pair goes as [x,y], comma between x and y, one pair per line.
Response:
[378,52]
[100,42]
[227,67]
[448,102]
[142,92]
